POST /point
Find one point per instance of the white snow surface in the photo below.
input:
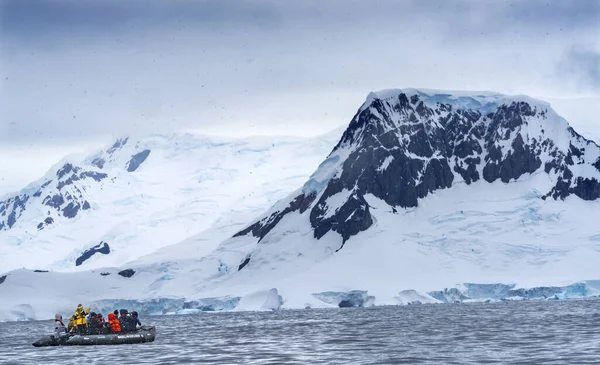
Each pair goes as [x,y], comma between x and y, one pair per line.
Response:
[483,233]
[187,185]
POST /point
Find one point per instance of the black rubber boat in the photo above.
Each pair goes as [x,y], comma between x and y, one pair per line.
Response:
[143,334]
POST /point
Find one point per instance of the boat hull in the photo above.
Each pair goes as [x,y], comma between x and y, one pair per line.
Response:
[140,336]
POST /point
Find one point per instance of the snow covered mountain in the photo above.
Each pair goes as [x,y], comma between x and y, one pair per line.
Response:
[138,196]
[428,190]
[429,196]
[403,145]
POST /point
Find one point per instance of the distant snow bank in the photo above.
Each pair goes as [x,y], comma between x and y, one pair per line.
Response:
[270,300]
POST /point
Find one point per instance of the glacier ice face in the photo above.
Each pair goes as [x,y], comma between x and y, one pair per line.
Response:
[212,304]
[411,297]
[543,292]
[482,292]
[577,290]
[143,307]
[452,295]
[353,298]
[486,291]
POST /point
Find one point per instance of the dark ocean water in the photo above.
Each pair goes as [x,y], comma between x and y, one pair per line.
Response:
[544,332]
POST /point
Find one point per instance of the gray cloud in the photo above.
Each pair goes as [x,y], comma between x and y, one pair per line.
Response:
[582,66]
[48,18]
[76,70]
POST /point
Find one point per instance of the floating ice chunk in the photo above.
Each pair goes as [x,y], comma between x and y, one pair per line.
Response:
[274,300]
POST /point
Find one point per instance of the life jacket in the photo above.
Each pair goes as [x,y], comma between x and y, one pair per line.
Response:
[79,315]
[114,323]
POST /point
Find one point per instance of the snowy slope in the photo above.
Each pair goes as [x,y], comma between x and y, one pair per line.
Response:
[138,196]
[483,233]
[429,196]
[430,189]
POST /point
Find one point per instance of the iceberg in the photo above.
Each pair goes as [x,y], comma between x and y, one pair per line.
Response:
[261,300]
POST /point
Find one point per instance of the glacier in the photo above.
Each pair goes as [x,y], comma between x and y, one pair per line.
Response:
[137,196]
[428,197]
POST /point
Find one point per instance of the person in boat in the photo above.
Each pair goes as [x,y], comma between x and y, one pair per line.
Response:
[101,319]
[59,327]
[94,325]
[136,320]
[114,323]
[124,321]
[79,318]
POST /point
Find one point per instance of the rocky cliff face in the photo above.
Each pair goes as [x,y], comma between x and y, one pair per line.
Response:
[405,144]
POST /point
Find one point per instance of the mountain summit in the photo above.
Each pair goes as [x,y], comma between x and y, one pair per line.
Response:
[405,144]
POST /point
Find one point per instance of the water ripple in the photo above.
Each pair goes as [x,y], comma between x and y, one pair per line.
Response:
[549,332]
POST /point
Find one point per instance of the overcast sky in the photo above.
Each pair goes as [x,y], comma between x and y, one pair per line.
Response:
[74,74]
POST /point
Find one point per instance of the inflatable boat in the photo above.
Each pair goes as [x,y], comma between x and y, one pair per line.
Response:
[143,334]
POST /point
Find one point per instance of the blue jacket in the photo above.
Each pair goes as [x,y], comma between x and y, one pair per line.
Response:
[125,323]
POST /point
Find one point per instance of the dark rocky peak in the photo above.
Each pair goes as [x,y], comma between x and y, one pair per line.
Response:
[405,144]
[11,209]
[119,143]
[136,160]
[65,195]
[68,199]
[68,174]
[122,153]
[103,157]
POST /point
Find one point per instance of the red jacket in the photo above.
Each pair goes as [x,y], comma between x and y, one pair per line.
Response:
[114,323]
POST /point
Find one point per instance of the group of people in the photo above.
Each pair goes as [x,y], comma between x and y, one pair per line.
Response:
[83,321]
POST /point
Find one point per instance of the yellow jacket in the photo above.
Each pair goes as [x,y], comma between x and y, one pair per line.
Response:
[79,317]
